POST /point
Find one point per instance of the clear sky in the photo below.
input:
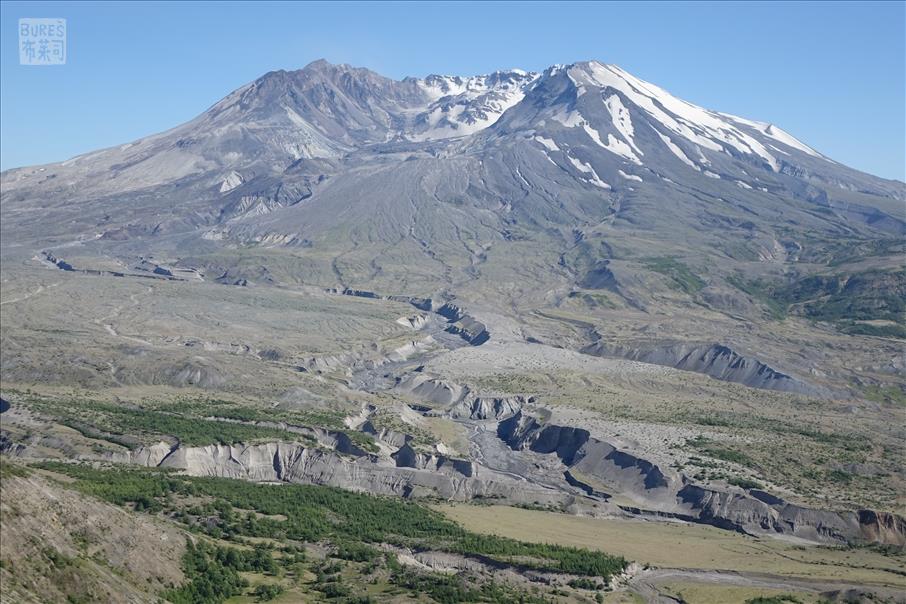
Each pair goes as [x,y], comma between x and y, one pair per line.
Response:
[834,74]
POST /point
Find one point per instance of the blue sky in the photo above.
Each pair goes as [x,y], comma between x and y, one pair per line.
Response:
[834,74]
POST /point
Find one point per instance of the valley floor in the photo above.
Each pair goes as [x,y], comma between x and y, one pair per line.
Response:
[178,389]
[692,552]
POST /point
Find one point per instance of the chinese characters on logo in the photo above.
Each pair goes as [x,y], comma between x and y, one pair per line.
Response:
[42,41]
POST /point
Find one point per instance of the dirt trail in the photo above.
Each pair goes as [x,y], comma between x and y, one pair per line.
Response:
[24,297]
[117,310]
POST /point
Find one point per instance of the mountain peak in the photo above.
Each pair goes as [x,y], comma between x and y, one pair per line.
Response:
[595,120]
[318,64]
[325,66]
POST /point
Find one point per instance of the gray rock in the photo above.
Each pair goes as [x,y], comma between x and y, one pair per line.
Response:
[678,496]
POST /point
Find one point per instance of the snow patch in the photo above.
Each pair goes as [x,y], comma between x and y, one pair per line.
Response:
[678,152]
[587,169]
[613,144]
[772,131]
[630,176]
[547,142]
[705,128]
[463,106]
[617,146]
[622,121]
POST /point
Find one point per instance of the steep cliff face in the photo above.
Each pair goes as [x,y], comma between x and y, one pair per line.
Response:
[882,527]
[620,470]
[716,360]
[484,408]
[751,511]
[150,456]
[755,512]
[411,474]
[464,325]
[407,457]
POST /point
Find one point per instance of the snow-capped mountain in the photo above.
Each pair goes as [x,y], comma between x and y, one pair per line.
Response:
[627,126]
[581,189]
[572,145]
[463,106]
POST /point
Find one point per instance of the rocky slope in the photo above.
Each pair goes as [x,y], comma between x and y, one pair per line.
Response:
[667,492]
[452,187]
[408,473]
[57,545]
[715,360]
[593,467]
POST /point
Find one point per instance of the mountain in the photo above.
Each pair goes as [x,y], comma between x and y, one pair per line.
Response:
[568,291]
[509,191]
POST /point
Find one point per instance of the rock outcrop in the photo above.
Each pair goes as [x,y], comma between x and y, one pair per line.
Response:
[620,470]
[753,512]
[391,437]
[471,330]
[464,325]
[483,408]
[407,457]
[414,322]
[364,360]
[459,322]
[715,360]
[150,456]
[411,475]
[678,496]
[432,390]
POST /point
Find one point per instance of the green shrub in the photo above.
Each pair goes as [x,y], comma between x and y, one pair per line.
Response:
[744,483]
[681,277]
[265,593]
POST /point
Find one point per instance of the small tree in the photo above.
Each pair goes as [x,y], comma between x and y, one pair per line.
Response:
[265,593]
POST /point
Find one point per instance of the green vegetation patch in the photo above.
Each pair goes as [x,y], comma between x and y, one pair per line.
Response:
[846,300]
[681,277]
[212,574]
[10,470]
[270,525]
[452,588]
[189,430]
[316,513]
[763,292]
[231,412]
[784,599]
[747,422]
[593,300]
[892,330]
[885,394]
[196,423]
[243,413]
[721,452]
[745,483]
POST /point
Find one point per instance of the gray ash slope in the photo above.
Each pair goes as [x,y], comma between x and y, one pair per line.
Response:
[557,149]
[528,189]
